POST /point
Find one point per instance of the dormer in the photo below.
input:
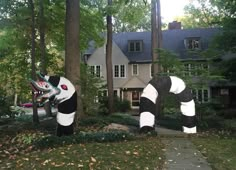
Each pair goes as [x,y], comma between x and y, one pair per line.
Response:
[192,43]
[135,45]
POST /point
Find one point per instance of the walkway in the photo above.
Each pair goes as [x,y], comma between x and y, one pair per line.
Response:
[181,154]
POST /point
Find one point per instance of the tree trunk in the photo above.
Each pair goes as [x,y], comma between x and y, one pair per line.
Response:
[156,44]
[156,34]
[33,68]
[72,52]
[109,61]
[43,66]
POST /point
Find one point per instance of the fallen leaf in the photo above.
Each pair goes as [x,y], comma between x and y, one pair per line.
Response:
[25,159]
[80,166]
[127,152]
[93,159]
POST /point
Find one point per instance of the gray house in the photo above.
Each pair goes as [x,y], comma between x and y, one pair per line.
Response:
[131,58]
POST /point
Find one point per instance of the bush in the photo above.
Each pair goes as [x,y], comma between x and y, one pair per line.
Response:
[119,105]
[102,121]
[5,105]
[54,141]
[122,105]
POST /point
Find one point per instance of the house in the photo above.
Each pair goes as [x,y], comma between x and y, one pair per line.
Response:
[131,58]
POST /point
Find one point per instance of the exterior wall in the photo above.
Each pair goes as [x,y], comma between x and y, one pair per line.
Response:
[118,58]
[144,72]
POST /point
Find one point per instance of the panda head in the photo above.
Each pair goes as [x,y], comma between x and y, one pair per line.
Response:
[43,90]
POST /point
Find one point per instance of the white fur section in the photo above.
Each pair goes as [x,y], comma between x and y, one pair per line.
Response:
[177,85]
[65,94]
[188,108]
[190,130]
[146,119]
[65,119]
[150,92]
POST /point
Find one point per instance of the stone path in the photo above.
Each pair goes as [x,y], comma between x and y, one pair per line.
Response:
[181,154]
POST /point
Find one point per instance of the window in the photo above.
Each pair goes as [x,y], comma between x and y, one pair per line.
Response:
[96,70]
[119,71]
[195,69]
[135,69]
[192,43]
[135,46]
[201,95]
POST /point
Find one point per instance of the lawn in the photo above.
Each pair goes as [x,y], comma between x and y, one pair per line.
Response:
[24,146]
[218,148]
[91,148]
[137,154]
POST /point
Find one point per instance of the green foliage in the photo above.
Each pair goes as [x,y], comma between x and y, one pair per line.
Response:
[15,65]
[228,69]
[170,63]
[28,137]
[90,86]
[213,13]
[4,104]
[227,41]
[131,17]
[218,148]
[101,121]
[122,105]
[119,105]
[201,14]
[54,141]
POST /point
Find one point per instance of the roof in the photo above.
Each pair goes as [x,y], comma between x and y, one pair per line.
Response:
[172,40]
[134,82]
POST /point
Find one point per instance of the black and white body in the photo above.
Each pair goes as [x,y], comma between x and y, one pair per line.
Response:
[61,91]
[160,86]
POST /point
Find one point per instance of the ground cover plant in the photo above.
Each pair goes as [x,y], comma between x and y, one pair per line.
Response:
[33,147]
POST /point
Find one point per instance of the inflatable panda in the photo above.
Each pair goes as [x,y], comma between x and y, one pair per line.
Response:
[160,86]
[61,91]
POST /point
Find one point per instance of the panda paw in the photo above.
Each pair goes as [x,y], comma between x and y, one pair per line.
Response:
[148,130]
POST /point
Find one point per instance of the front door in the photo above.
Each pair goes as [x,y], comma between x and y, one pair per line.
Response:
[135,99]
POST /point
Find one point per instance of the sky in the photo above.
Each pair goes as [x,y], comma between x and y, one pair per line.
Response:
[172,8]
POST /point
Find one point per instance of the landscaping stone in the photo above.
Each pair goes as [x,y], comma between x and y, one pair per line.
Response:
[116,126]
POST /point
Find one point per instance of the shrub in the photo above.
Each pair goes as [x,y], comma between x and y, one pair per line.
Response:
[4,105]
[112,136]
[122,105]
[119,105]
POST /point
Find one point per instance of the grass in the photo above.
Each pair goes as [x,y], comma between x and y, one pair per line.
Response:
[218,148]
[137,154]
[91,148]
[35,147]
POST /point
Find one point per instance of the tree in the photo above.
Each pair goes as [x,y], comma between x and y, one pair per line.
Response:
[156,43]
[201,14]
[33,68]
[43,69]
[156,34]
[131,16]
[227,40]
[109,60]
[72,51]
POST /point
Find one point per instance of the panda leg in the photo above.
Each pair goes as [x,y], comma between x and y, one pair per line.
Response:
[59,131]
[64,130]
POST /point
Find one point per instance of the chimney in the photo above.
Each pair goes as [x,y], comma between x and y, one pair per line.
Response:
[174,25]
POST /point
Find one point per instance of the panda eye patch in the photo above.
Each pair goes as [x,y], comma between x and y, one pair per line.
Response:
[64,87]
